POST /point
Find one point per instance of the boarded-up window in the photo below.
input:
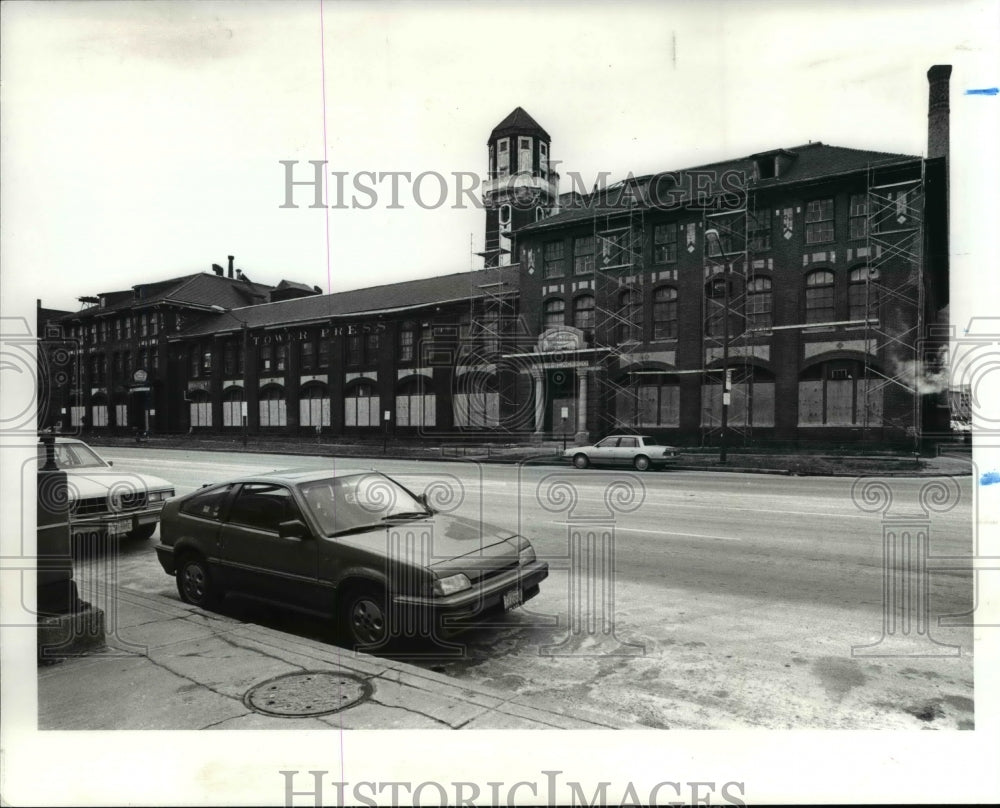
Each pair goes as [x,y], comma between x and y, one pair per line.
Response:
[837,395]
[869,402]
[99,415]
[476,410]
[751,404]
[272,407]
[314,406]
[810,403]
[361,407]
[121,414]
[76,415]
[414,408]
[840,402]
[232,408]
[524,155]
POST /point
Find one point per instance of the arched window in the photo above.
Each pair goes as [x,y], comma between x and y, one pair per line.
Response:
[414,406]
[649,401]
[820,306]
[314,406]
[665,313]
[630,314]
[583,312]
[554,313]
[837,393]
[361,406]
[863,294]
[232,407]
[201,408]
[759,304]
[272,406]
[751,399]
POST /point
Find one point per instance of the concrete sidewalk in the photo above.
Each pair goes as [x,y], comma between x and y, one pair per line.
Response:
[168,665]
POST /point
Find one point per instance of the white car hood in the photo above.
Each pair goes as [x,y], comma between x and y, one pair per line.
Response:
[84,483]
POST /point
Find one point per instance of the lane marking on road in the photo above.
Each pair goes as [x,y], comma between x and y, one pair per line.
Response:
[622,529]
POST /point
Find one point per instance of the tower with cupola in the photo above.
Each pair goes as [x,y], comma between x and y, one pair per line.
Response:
[521,186]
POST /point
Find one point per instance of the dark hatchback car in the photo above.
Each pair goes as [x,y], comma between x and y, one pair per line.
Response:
[354,545]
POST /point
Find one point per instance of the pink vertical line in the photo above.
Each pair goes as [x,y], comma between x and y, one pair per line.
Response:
[326,223]
[326,163]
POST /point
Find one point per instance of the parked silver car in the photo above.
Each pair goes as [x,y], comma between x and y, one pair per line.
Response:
[641,452]
[117,503]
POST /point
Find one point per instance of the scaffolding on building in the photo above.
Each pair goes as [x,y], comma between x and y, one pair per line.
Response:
[894,299]
[619,286]
[484,388]
[728,347]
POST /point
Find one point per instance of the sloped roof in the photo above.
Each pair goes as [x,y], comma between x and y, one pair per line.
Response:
[518,122]
[356,302]
[200,290]
[812,161]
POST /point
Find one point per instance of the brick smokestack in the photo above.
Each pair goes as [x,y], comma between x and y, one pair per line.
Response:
[937,111]
[233,257]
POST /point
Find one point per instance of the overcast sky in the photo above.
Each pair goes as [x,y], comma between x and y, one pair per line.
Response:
[142,141]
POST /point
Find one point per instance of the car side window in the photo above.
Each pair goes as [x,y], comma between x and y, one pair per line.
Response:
[608,443]
[208,504]
[264,506]
[629,443]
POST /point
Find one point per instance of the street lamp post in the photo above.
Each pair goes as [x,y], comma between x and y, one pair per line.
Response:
[725,345]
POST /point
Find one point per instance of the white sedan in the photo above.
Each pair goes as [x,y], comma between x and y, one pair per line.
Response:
[639,451]
[115,502]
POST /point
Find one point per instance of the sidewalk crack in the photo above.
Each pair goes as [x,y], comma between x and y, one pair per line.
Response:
[410,710]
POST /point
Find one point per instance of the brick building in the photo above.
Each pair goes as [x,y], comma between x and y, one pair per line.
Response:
[793,295]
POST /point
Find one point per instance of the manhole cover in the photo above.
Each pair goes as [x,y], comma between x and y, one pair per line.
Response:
[307,693]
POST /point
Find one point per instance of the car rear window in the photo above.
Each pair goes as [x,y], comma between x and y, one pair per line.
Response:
[207,504]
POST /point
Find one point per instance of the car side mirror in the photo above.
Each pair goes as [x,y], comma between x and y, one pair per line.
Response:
[292,529]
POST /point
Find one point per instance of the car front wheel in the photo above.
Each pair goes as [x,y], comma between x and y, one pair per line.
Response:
[641,463]
[581,461]
[194,582]
[364,618]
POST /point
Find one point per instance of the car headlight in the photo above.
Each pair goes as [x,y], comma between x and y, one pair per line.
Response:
[157,496]
[526,555]
[451,584]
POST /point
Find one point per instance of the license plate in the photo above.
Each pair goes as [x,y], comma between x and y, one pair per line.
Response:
[120,528]
[512,599]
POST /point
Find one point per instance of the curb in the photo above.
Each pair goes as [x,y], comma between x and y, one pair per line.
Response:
[398,687]
[552,460]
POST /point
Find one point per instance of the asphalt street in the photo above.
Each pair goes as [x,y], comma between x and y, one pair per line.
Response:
[695,600]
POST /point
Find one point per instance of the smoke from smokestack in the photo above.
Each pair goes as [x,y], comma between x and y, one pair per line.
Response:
[917,376]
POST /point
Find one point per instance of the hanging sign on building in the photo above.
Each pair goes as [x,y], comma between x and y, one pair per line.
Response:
[560,338]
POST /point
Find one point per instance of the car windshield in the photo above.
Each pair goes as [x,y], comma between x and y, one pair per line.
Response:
[72,456]
[359,501]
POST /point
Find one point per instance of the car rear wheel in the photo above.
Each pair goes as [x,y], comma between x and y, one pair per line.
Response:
[581,461]
[641,463]
[364,618]
[194,582]
[143,532]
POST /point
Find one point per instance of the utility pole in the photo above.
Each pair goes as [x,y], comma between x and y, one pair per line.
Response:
[726,375]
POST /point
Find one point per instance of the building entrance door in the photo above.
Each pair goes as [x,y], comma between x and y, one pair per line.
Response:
[562,397]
